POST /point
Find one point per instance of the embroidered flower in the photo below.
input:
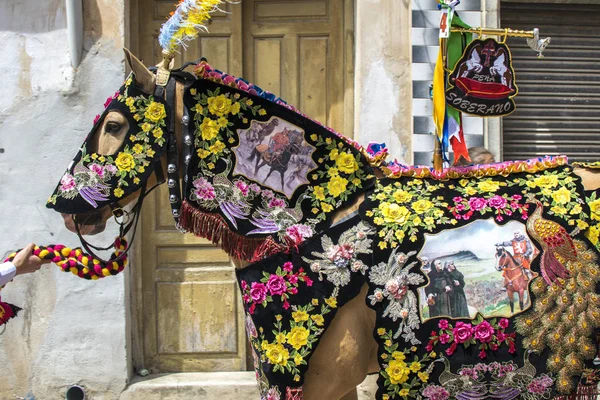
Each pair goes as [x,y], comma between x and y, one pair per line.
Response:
[298,337]
[300,315]
[299,233]
[435,392]
[488,186]
[562,195]
[497,202]
[393,213]
[402,196]
[243,187]
[484,332]
[275,202]
[209,129]
[125,162]
[277,354]
[477,203]
[67,182]
[346,163]
[397,372]
[219,105]
[155,112]
[276,285]
[421,206]
[203,189]
[318,319]
[258,292]
[337,185]
[462,332]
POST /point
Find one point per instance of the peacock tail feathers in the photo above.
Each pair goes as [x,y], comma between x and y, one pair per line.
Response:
[186,23]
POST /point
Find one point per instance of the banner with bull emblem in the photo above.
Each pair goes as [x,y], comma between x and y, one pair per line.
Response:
[483,80]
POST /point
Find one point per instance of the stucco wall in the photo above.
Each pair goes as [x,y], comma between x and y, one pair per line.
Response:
[383,110]
[71,330]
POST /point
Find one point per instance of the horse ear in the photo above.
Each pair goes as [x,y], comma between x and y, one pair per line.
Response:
[143,77]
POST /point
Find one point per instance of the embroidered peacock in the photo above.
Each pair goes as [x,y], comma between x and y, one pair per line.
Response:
[555,241]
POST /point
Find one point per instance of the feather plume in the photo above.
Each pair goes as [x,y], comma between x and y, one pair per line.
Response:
[186,23]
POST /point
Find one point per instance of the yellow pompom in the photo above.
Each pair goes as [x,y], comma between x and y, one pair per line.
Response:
[95,262]
[105,272]
[78,252]
[115,265]
[44,253]
[95,278]
[85,270]
[73,270]
[66,251]
[85,261]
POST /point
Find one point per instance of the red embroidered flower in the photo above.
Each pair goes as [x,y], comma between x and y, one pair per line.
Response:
[484,332]
[444,338]
[482,354]
[497,202]
[443,324]
[503,323]
[462,332]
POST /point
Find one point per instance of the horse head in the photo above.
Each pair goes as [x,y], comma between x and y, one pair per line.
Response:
[500,258]
[121,156]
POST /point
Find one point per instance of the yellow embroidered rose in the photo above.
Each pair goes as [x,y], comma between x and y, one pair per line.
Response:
[429,221]
[138,149]
[421,206]
[217,147]
[319,193]
[326,207]
[393,213]
[337,185]
[280,338]
[157,133]
[593,233]
[346,163]
[298,337]
[318,319]
[423,376]
[125,162]
[315,302]
[470,191]
[576,210]
[559,210]
[277,354]
[333,171]
[203,153]
[235,108]
[398,355]
[404,392]
[595,208]
[118,192]
[300,316]
[298,359]
[222,122]
[415,366]
[198,108]
[562,195]
[381,331]
[402,196]
[209,129]
[333,155]
[219,106]
[331,302]
[155,112]
[397,372]
[546,181]
[400,235]
[488,186]
[130,101]
[146,127]
[262,112]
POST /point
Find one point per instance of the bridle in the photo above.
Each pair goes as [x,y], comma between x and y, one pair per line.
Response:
[166,88]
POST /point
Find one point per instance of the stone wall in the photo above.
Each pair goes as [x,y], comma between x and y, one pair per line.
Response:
[71,331]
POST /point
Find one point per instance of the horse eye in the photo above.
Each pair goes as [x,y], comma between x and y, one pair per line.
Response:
[112,127]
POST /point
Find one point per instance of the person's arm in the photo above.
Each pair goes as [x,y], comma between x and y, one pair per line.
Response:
[7,273]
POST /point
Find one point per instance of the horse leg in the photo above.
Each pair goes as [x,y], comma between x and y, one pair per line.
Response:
[511,300]
[282,173]
[270,172]
[348,344]
[259,165]
[521,299]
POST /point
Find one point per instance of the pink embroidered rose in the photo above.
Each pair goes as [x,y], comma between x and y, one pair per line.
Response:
[258,292]
[267,194]
[443,324]
[273,394]
[484,332]
[503,323]
[450,350]
[462,332]
[246,297]
[111,169]
[255,188]
[516,197]
[315,267]
[67,183]
[501,336]
[276,285]
[275,202]
[308,281]
[357,266]
[204,190]
[477,203]
[482,354]
[494,346]
[244,285]
[97,169]
[435,392]
[340,254]
[497,202]
[392,286]
[293,279]
[243,187]
[378,295]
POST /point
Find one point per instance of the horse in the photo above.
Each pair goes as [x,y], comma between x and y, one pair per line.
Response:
[277,160]
[349,339]
[349,342]
[515,280]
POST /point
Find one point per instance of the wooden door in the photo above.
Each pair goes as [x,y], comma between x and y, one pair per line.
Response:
[187,308]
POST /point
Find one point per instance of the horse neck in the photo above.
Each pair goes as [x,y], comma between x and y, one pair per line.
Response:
[511,264]
[178,108]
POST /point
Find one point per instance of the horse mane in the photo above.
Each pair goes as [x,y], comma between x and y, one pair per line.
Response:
[511,256]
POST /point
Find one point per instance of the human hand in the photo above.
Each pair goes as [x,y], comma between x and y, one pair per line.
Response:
[448,288]
[456,283]
[26,262]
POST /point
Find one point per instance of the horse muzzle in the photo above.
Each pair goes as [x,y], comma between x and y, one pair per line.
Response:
[90,223]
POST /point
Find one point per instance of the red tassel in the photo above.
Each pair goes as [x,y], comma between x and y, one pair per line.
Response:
[214,228]
[294,394]
[584,392]
[7,311]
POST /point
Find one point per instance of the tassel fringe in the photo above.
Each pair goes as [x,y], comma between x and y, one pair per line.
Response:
[584,392]
[7,312]
[214,228]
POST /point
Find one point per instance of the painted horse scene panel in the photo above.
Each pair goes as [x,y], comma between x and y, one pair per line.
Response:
[276,153]
[479,268]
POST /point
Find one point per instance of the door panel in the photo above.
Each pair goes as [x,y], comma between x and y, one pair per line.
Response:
[188,308]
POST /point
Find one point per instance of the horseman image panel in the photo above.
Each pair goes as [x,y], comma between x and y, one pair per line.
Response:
[479,268]
[274,152]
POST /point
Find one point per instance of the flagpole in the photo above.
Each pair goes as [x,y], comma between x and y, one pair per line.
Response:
[438,159]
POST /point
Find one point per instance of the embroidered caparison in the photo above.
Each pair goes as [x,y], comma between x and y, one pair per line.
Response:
[94,180]
[263,177]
